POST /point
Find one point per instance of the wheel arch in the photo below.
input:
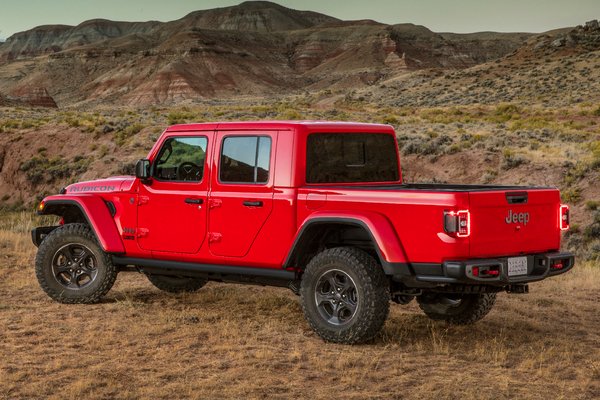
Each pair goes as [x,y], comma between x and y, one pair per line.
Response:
[88,209]
[316,233]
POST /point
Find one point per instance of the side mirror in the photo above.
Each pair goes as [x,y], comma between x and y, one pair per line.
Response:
[142,169]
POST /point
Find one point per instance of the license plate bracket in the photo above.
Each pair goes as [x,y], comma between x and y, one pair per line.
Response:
[517,266]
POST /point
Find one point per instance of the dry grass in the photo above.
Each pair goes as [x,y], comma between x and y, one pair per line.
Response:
[233,341]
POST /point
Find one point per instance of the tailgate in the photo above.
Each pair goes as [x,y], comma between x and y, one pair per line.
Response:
[510,222]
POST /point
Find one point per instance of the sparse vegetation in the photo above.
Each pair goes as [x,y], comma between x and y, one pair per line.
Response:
[531,116]
[524,336]
[471,144]
[43,170]
[595,148]
[128,131]
[181,117]
[571,195]
[592,205]
[512,160]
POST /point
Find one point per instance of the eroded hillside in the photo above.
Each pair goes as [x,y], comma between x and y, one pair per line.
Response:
[43,150]
[255,48]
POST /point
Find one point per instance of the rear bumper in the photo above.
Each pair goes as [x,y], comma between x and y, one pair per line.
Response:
[539,266]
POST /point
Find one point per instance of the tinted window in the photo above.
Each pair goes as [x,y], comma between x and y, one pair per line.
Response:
[245,159]
[351,157]
[181,159]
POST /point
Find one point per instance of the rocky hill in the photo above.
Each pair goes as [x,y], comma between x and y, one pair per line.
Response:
[255,48]
[556,68]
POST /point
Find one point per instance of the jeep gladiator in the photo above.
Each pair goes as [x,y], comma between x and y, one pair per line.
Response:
[318,207]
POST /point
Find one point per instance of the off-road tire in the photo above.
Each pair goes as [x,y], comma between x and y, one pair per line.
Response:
[371,288]
[176,284]
[472,308]
[74,234]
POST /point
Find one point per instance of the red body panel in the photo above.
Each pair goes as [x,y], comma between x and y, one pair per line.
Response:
[407,224]
[98,216]
[490,231]
[166,223]
[153,220]
[234,226]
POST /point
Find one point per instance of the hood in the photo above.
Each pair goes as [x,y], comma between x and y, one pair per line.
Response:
[106,185]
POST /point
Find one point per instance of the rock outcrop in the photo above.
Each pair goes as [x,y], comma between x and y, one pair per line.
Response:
[39,97]
[29,97]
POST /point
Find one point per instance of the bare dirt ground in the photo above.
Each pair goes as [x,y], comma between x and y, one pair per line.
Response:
[233,341]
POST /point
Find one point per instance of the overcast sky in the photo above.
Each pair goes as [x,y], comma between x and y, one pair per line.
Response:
[437,15]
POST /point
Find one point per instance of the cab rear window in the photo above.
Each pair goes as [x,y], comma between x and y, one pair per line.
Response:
[351,157]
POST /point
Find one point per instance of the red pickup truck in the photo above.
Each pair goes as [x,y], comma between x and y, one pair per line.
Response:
[319,207]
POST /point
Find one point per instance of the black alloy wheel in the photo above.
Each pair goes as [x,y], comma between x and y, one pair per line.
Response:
[74,266]
[336,297]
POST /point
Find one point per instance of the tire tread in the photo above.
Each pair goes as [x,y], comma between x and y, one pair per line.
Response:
[50,242]
[479,306]
[376,290]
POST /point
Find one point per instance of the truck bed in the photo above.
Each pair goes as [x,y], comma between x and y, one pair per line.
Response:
[435,187]
[504,219]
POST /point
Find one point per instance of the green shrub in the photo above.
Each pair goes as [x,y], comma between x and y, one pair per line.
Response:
[122,135]
[390,119]
[512,160]
[432,145]
[571,195]
[592,205]
[592,231]
[289,114]
[595,148]
[180,117]
[43,170]
[575,173]
[507,108]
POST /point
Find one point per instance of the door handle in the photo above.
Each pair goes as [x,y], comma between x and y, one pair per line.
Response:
[250,203]
[194,201]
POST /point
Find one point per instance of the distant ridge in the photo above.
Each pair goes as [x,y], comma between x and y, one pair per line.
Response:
[256,48]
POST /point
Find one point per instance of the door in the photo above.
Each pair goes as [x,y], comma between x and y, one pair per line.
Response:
[172,204]
[241,197]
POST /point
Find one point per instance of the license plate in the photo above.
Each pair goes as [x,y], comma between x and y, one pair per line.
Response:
[517,266]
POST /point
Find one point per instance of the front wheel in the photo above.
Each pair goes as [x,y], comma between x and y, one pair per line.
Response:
[458,309]
[72,268]
[345,295]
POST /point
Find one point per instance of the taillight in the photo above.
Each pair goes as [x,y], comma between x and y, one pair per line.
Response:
[457,223]
[557,264]
[563,217]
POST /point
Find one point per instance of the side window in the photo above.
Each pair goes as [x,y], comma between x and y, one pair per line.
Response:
[181,159]
[351,157]
[245,159]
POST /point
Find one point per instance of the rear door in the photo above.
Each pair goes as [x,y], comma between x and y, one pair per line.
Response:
[514,222]
[241,197]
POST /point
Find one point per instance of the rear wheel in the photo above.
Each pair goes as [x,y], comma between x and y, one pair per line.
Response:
[72,268]
[345,295]
[176,284]
[459,309]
